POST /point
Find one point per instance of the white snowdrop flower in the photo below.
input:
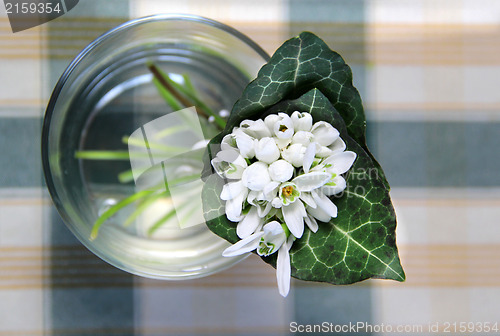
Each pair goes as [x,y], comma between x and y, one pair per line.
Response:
[228,142]
[229,164]
[281,171]
[301,121]
[234,193]
[324,133]
[256,176]
[283,127]
[266,150]
[296,195]
[256,129]
[260,202]
[270,120]
[271,239]
[336,164]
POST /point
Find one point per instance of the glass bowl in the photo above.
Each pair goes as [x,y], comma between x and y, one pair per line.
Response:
[105,95]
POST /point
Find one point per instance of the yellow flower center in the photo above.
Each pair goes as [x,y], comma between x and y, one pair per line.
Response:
[287,191]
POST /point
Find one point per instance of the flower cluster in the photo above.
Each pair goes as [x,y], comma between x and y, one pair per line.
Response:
[280,172]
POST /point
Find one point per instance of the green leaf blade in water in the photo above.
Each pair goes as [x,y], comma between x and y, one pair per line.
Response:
[360,243]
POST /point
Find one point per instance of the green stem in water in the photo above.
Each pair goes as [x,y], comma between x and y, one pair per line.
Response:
[102,155]
[169,98]
[115,208]
[184,94]
[150,199]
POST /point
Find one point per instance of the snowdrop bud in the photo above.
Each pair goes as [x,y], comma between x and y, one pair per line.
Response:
[324,133]
[302,121]
[270,120]
[246,124]
[259,129]
[294,154]
[245,143]
[283,128]
[266,150]
[281,171]
[256,176]
[228,142]
[303,138]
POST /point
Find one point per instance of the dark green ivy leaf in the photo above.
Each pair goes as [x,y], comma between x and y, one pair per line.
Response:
[360,243]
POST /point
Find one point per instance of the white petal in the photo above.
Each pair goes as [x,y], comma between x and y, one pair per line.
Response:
[319,214]
[259,129]
[249,223]
[283,270]
[309,157]
[324,133]
[266,150]
[253,196]
[294,214]
[282,143]
[281,171]
[256,176]
[301,121]
[337,146]
[311,181]
[294,154]
[276,203]
[270,120]
[325,203]
[231,190]
[245,245]
[270,190]
[340,185]
[302,137]
[263,211]
[311,223]
[274,233]
[341,162]
[323,151]
[234,207]
[246,124]
[307,199]
[245,144]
